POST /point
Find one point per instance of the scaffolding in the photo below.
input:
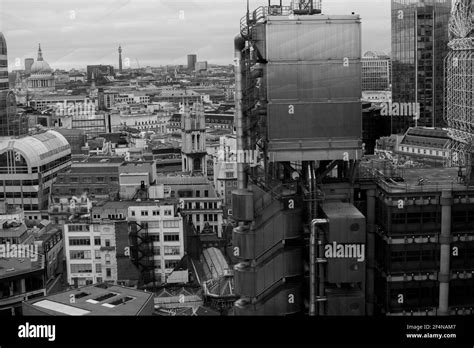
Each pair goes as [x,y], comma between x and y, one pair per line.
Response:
[459,79]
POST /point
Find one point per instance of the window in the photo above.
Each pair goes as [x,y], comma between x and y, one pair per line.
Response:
[168,212]
[133,212]
[100,179]
[108,272]
[171,224]
[172,250]
[97,241]
[79,241]
[206,193]
[144,213]
[97,254]
[98,268]
[198,217]
[80,254]
[155,237]
[156,212]
[171,237]
[107,242]
[81,268]
[107,259]
[171,263]
[198,193]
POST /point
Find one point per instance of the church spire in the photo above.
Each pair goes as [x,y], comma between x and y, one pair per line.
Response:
[40,54]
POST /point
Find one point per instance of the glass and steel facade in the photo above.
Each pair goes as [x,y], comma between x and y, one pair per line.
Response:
[419,46]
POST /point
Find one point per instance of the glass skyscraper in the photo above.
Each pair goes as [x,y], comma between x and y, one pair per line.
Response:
[419,46]
[10,123]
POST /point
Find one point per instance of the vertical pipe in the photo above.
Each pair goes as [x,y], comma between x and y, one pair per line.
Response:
[370,287]
[239,44]
[313,290]
[312,273]
[445,246]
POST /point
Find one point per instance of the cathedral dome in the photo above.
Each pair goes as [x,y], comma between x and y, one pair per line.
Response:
[40,66]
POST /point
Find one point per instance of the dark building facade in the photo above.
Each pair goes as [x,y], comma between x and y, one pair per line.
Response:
[100,72]
[419,46]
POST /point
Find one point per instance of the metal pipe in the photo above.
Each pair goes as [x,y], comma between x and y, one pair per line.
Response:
[445,246]
[239,44]
[312,265]
[370,280]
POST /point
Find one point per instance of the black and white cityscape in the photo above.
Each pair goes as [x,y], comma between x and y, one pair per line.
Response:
[237,158]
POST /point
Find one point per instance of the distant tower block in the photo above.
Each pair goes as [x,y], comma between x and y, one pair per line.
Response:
[120,58]
[28,63]
[193,127]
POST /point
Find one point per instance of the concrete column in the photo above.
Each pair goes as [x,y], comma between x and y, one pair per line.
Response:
[370,250]
[23,285]
[445,245]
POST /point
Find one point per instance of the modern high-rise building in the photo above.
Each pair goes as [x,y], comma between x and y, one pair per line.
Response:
[459,113]
[28,63]
[376,72]
[3,64]
[419,47]
[298,100]
[11,124]
[192,60]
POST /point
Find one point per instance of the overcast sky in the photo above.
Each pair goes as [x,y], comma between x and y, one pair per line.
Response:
[75,33]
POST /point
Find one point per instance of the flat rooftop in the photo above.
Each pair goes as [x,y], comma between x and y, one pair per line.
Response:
[126,204]
[10,267]
[426,179]
[100,299]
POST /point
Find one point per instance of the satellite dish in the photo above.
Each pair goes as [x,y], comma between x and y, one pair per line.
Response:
[295,176]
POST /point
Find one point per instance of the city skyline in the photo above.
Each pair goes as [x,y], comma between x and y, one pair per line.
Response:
[150,32]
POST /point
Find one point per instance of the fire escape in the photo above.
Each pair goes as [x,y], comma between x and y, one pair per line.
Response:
[142,254]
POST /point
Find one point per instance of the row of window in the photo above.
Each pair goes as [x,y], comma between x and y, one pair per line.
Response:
[167,212]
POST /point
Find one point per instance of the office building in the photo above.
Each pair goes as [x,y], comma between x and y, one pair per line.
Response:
[102,73]
[156,232]
[419,47]
[376,72]
[192,60]
[29,167]
[459,67]
[4,84]
[28,63]
[11,124]
[90,252]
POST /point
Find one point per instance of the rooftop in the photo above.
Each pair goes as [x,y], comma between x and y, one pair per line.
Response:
[425,180]
[98,299]
[14,266]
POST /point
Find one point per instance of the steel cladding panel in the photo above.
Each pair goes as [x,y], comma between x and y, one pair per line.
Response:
[314,81]
[315,121]
[313,40]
